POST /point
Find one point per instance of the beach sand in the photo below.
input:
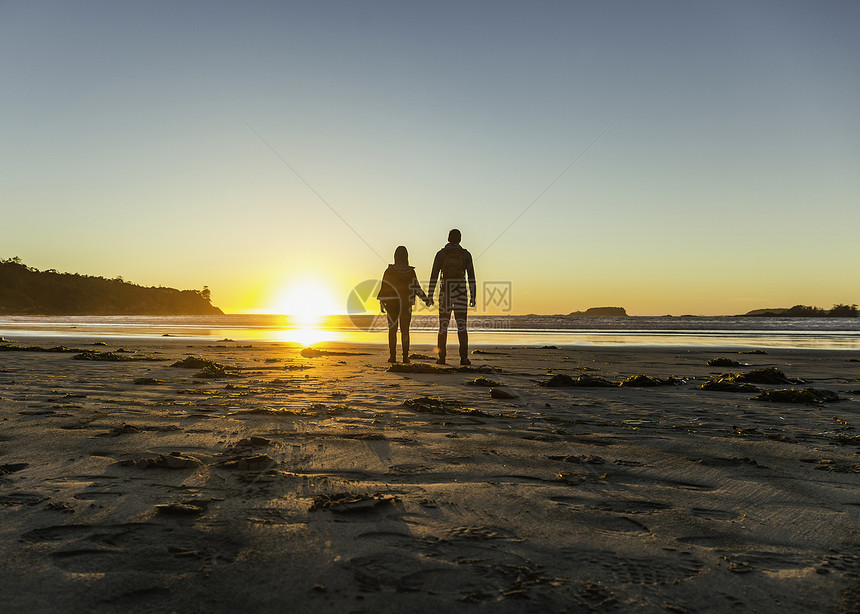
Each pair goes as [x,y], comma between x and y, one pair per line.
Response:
[307,483]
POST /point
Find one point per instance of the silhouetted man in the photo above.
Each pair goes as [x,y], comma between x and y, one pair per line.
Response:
[455,265]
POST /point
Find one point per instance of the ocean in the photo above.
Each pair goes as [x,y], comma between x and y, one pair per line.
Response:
[741,332]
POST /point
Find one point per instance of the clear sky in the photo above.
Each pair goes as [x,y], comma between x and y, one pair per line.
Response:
[153,140]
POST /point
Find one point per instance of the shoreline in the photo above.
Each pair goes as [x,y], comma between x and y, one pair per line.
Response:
[483,330]
[300,337]
[310,483]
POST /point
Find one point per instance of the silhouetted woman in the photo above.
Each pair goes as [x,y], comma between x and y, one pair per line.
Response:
[396,296]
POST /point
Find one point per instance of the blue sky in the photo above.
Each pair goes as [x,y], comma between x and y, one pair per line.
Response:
[149,140]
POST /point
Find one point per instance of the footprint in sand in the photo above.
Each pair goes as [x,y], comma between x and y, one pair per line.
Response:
[469,578]
[661,569]
[144,597]
[138,547]
[391,539]
[609,523]
[713,514]
[847,560]
[713,539]
[54,533]
[386,570]
[768,560]
[12,468]
[633,506]
[480,533]
[717,461]
[21,498]
[408,468]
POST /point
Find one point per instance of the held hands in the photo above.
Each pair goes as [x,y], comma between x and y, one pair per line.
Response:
[429,302]
[381,307]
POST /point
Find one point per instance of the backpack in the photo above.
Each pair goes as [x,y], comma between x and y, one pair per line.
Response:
[454,265]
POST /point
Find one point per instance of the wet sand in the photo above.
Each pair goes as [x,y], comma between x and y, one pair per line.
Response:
[322,482]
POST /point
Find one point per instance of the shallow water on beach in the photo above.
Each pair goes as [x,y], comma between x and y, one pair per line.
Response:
[814,333]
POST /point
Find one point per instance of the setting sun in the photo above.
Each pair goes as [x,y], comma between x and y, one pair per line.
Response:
[307,300]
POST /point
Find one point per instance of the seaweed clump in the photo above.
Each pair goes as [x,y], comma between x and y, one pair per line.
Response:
[35,348]
[771,375]
[562,380]
[470,369]
[174,460]
[254,462]
[193,362]
[809,396]
[209,369]
[743,382]
[431,405]
[424,368]
[722,361]
[214,371]
[332,409]
[148,381]
[727,385]
[482,381]
[109,356]
[416,368]
[345,503]
[645,381]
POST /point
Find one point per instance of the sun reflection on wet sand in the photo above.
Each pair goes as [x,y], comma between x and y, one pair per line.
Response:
[306,330]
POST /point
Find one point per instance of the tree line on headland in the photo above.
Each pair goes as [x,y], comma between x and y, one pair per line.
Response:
[26,290]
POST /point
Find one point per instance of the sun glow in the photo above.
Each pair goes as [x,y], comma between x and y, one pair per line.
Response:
[306,300]
[306,303]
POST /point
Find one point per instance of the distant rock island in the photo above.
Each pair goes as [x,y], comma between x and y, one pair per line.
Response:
[601,312]
[25,290]
[805,311]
